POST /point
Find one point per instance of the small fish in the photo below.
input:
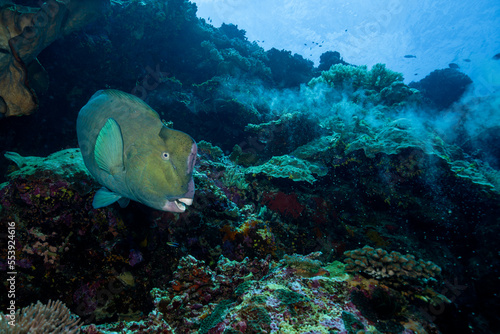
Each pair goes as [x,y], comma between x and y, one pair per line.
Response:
[496,57]
[129,151]
[410,56]
[453,65]
[172,244]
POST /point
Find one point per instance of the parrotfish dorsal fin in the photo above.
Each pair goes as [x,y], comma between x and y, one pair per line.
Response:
[103,197]
[164,132]
[132,100]
[108,151]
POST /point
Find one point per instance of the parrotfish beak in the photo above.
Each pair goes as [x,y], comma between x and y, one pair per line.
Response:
[179,204]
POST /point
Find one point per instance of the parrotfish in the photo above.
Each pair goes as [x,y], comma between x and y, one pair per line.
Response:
[134,155]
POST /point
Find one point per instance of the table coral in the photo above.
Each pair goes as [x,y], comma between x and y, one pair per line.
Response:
[289,167]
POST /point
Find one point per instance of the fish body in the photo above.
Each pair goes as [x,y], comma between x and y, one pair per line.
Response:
[133,155]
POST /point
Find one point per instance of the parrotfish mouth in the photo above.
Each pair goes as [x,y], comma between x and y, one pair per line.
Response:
[177,205]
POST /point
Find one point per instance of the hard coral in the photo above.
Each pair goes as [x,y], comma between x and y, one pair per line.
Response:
[381,264]
[53,317]
[289,167]
[372,82]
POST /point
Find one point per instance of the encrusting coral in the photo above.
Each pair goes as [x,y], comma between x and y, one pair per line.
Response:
[296,295]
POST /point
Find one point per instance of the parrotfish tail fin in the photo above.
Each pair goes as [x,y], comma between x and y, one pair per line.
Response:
[123,202]
[103,197]
[108,151]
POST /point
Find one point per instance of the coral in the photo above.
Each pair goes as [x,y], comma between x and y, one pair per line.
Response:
[391,137]
[253,237]
[340,76]
[215,317]
[397,92]
[305,266]
[379,77]
[279,300]
[63,245]
[282,135]
[379,263]
[289,167]
[209,151]
[198,293]
[53,317]
[352,324]
[378,85]
[67,164]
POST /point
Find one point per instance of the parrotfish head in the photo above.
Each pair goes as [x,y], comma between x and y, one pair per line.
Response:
[160,171]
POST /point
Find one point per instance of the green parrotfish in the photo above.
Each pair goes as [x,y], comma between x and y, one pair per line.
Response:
[134,155]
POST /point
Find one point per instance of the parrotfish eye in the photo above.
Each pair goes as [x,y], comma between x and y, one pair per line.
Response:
[165,156]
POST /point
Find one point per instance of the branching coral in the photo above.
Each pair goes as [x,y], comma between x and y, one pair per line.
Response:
[341,76]
[381,264]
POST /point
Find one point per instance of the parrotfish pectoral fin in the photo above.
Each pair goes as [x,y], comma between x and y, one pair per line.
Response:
[108,152]
[103,197]
[123,202]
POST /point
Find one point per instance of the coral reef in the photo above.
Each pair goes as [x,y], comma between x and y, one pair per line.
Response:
[283,169]
[257,296]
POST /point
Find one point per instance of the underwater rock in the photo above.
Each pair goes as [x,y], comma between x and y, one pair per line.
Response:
[24,33]
[276,137]
[328,59]
[288,70]
[484,146]
[396,136]
[443,87]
